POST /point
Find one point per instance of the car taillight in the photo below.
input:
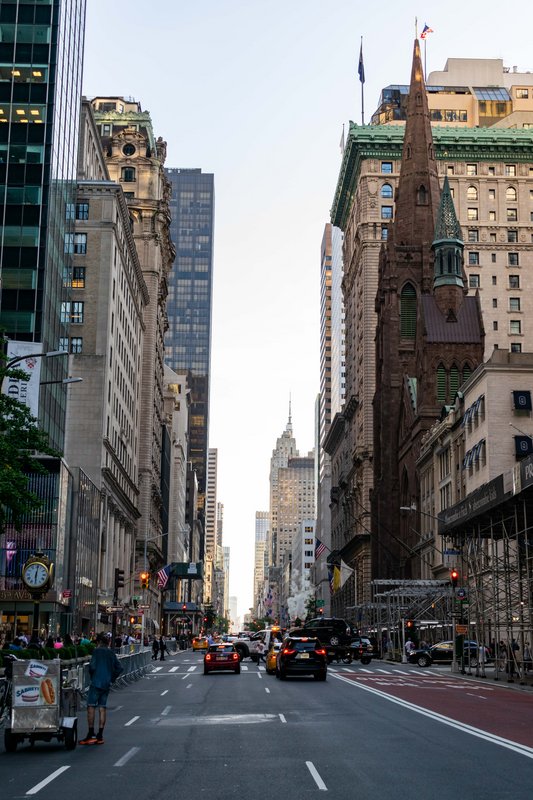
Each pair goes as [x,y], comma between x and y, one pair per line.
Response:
[320,652]
[235,656]
[361,649]
[208,657]
[287,652]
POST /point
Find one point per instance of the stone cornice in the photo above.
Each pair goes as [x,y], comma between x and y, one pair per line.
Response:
[385,142]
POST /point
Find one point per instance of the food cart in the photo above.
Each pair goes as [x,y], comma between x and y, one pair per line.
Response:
[36,706]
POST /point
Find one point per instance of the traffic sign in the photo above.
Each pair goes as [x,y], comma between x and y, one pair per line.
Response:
[67,592]
[461,629]
[145,607]
[113,609]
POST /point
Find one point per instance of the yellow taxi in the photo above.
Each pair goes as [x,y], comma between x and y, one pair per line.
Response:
[200,643]
[270,659]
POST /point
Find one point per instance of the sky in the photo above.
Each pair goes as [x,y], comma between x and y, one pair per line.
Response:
[257,93]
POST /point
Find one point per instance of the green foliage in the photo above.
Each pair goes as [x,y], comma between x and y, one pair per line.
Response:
[20,441]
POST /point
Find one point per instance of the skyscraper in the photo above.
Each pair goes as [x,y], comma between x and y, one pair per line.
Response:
[190,291]
[41,54]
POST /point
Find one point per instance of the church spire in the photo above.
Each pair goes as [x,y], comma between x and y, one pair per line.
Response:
[418,192]
[448,250]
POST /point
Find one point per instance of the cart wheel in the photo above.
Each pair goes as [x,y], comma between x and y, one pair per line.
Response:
[10,741]
[71,737]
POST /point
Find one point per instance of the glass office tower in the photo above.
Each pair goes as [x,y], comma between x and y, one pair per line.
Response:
[190,291]
[41,55]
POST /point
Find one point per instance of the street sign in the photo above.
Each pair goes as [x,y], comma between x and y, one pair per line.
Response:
[113,609]
[320,603]
[461,629]
[67,592]
[144,607]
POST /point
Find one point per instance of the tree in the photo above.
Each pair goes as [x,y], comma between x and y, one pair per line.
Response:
[21,442]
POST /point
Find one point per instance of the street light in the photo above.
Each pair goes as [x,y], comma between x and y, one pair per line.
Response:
[65,380]
[11,363]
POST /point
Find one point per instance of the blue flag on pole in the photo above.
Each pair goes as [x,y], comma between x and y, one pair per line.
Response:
[361,66]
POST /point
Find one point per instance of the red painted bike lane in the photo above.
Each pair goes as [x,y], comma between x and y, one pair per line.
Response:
[495,709]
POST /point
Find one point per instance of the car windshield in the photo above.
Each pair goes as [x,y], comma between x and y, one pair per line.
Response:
[304,645]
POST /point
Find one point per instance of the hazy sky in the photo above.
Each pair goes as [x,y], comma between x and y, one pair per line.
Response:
[257,93]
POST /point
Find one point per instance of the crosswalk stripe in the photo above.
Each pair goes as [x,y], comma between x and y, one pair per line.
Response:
[173,669]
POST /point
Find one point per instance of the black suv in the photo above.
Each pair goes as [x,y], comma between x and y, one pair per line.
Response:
[330,631]
[302,656]
[362,649]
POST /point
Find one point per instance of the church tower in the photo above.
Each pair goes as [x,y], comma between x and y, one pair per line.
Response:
[423,315]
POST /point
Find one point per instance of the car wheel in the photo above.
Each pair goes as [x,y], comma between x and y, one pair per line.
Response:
[206,671]
[423,661]
[10,741]
[238,670]
[347,659]
[282,675]
[366,660]
[70,737]
[334,641]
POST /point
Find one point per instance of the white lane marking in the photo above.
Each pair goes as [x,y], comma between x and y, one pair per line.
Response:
[401,672]
[480,696]
[332,669]
[191,669]
[184,677]
[362,669]
[244,667]
[348,670]
[126,757]
[188,686]
[386,671]
[166,711]
[173,669]
[259,675]
[522,749]
[165,692]
[116,708]
[282,718]
[318,780]
[131,721]
[267,690]
[46,781]
[157,669]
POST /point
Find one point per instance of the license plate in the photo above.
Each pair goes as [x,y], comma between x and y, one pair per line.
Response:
[302,655]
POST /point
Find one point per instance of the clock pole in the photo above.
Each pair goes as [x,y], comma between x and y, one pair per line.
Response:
[37,587]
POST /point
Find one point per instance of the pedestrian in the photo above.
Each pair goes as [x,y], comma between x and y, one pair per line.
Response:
[409,646]
[260,651]
[528,661]
[155,649]
[104,669]
[162,648]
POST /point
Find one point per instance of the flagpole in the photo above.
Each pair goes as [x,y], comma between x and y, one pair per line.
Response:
[425,64]
[362,91]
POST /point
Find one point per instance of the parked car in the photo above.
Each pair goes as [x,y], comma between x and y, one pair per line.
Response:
[222,657]
[302,655]
[442,653]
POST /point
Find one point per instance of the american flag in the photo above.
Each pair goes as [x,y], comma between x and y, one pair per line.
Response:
[425,31]
[319,548]
[162,576]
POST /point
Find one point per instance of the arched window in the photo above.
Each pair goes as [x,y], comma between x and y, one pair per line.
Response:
[467,371]
[408,312]
[510,194]
[422,196]
[386,190]
[471,193]
[454,381]
[441,384]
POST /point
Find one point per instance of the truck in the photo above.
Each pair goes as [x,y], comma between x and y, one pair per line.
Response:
[247,648]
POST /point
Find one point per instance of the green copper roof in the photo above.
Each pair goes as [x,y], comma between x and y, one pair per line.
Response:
[384,142]
[447,226]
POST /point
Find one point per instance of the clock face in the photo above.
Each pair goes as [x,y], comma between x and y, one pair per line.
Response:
[35,575]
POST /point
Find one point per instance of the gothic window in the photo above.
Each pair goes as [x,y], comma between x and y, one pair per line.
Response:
[418,99]
[467,371]
[422,196]
[454,380]
[408,312]
[441,384]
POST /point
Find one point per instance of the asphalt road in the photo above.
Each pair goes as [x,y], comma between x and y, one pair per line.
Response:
[382,731]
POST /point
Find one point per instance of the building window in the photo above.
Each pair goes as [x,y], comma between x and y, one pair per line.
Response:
[473,235]
[386,167]
[386,212]
[494,326]
[76,344]
[512,259]
[512,236]
[70,211]
[408,312]
[471,169]
[510,170]
[492,194]
[473,281]
[82,210]
[516,347]
[492,170]
[450,170]
[471,193]
[494,280]
[472,214]
[514,304]
[384,233]
[78,278]
[514,282]
[495,302]
[522,94]
[386,190]
[63,343]
[76,314]
[493,258]
[510,194]
[473,259]
[492,218]
[515,327]
[128,174]
[76,243]
[441,384]
[492,237]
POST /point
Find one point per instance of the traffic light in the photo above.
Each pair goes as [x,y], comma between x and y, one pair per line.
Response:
[145,580]
[409,624]
[132,620]
[184,606]
[454,577]
[119,578]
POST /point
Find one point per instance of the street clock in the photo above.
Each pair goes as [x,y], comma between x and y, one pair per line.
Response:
[37,573]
